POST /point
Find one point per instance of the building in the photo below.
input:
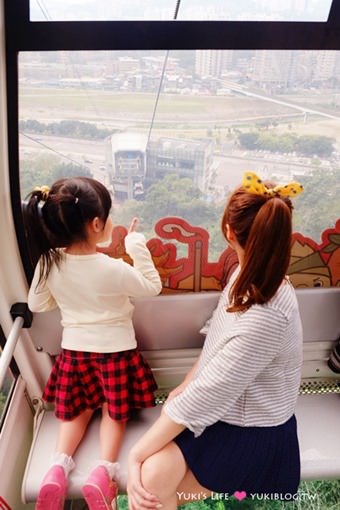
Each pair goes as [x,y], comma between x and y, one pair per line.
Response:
[128,152]
[209,63]
[137,163]
[186,158]
[325,66]
[272,69]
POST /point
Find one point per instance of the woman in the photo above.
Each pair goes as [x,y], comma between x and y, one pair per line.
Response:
[230,426]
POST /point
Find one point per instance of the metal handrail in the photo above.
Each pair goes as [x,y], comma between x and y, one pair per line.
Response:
[8,350]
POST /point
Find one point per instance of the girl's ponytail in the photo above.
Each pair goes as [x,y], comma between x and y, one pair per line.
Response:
[39,238]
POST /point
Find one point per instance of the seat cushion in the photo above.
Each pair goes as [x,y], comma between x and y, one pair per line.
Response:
[43,445]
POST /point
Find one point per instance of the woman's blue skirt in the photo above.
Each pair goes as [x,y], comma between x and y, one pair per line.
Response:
[247,460]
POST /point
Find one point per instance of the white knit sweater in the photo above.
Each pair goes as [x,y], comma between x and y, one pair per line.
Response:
[92,292]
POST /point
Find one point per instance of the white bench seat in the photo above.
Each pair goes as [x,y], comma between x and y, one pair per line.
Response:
[167,330]
[88,452]
[318,417]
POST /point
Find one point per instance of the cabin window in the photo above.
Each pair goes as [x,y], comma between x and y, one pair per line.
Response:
[171,133]
[246,10]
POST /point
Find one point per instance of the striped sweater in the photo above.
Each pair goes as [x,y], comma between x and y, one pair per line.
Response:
[249,370]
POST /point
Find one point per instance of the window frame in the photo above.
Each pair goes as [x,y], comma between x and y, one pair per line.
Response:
[21,35]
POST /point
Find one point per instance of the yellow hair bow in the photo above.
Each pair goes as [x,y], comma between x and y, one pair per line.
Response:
[44,190]
[253,184]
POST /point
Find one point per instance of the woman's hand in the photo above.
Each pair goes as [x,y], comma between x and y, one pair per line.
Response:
[138,497]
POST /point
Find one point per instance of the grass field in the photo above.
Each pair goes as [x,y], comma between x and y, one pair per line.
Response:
[112,103]
[185,115]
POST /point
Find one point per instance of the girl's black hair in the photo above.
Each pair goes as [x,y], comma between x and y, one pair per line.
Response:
[58,218]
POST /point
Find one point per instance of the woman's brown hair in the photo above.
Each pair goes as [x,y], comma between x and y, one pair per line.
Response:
[263,228]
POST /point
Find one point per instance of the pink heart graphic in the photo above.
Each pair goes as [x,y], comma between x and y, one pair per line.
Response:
[239,495]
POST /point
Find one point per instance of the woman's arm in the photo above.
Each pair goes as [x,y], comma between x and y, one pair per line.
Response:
[157,436]
[188,378]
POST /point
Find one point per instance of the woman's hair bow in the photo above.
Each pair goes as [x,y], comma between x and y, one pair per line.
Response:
[44,190]
[253,184]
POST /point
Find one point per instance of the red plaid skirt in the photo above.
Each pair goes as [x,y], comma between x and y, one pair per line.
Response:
[86,380]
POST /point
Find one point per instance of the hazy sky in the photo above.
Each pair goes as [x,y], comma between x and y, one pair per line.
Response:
[316,10]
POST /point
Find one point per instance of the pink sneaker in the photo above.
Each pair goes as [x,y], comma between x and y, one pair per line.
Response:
[100,491]
[52,490]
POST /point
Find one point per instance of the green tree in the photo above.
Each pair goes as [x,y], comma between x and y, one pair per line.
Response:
[124,214]
[175,196]
[171,197]
[317,208]
[44,170]
[69,170]
[310,145]
[69,128]
[307,145]
[249,141]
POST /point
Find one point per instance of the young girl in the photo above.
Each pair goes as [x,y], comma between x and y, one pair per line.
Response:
[99,366]
[230,427]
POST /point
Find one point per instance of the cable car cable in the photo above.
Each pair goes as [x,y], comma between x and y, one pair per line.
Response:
[178,3]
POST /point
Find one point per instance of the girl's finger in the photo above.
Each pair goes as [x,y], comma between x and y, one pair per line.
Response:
[133,225]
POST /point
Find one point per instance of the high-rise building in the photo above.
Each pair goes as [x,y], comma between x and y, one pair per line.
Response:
[275,68]
[325,65]
[209,62]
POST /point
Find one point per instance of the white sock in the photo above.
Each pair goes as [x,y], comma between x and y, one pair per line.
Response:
[61,459]
[113,468]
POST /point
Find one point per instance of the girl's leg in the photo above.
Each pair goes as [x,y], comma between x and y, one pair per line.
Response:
[100,489]
[54,485]
[111,436]
[71,433]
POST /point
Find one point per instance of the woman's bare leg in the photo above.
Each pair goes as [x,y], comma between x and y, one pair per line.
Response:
[166,475]
[190,490]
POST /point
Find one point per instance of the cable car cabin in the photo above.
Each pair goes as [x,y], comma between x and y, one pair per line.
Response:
[167,105]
